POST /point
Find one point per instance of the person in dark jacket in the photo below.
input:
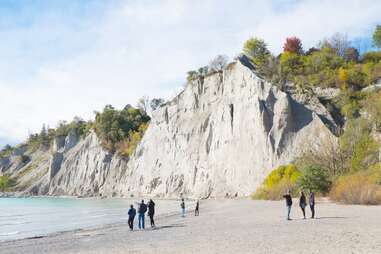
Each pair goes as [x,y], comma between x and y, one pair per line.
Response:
[197,211]
[151,212]
[182,205]
[303,203]
[131,217]
[288,199]
[312,204]
[141,211]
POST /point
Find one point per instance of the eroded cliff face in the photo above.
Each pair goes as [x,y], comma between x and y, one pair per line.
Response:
[220,137]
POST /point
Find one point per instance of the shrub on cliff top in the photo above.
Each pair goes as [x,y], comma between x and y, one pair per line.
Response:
[117,128]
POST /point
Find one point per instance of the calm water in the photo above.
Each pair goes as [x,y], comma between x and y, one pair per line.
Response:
[28,217]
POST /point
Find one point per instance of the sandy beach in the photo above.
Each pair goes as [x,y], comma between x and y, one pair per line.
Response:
[227,226]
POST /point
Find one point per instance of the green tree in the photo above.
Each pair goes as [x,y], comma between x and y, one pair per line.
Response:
[371,57]
[377,37]
[256,50]
[291,64]
[115,126]
[191,75]
[373,108]
[358,144]
[314,178]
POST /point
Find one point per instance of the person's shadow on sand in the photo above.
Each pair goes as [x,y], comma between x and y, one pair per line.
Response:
[321,218]
[168,226]
[334,217]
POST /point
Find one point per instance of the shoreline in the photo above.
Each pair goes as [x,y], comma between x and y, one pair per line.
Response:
[86,229]
[226,226]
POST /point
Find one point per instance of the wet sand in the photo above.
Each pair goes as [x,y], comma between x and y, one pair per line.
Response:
[227,226]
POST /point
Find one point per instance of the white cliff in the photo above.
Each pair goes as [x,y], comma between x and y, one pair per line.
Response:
[220,137]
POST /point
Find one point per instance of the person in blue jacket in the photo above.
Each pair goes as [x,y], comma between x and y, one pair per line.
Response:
[312,204]
[141,211]
[131,217]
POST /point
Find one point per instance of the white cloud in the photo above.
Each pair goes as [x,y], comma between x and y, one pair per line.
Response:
[136,48]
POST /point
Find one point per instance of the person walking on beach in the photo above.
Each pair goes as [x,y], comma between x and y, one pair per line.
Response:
[288,199]
[141,211]
[151,212]
[131,217]
[312,204]
[197,211]
[182,205]
[303,203]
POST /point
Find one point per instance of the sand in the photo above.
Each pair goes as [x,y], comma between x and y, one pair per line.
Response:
[227,226]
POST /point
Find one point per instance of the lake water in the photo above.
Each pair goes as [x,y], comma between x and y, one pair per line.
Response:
[30,217]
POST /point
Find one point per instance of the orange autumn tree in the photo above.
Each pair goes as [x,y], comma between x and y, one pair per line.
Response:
[293,45]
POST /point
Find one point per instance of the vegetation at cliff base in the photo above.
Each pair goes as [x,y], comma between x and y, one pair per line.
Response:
[278,182]
[362,187]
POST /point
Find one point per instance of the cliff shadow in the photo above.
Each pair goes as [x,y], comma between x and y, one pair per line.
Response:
[301,115]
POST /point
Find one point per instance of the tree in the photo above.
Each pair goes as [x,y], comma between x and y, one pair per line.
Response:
[191,75]
[314,178]
[293,45]
[327,154]
[256,50]
[377,37]
[43,136]
[218,63]
[155,103]
[7,147]
[291,64]
[371,57]
[373,109]
[359,145]
[6,151]
[337,42]
[144,104]
[115,126]
[351,54]
[202,71]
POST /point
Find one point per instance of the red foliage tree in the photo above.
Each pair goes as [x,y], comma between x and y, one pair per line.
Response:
[293,45]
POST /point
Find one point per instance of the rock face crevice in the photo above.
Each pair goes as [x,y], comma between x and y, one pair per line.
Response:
[220,137]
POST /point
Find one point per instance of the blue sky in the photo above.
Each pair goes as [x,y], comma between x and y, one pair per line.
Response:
[62,58]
